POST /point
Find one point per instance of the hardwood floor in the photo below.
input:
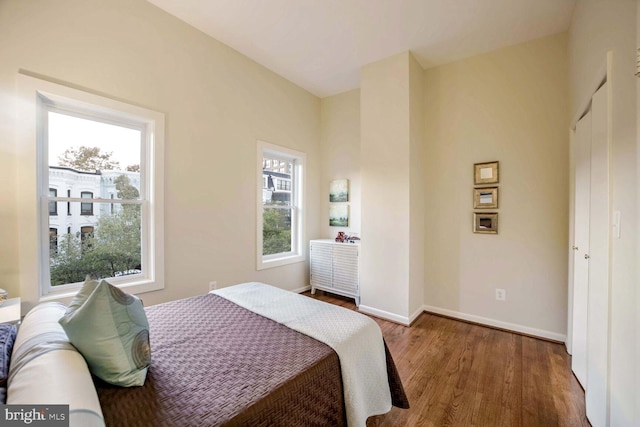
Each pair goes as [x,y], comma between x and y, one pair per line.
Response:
[460,374]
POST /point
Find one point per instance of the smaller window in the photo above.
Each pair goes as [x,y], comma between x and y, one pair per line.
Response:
[69,203]
[284,185]
[53,206]
[111,208]
[86,208]
[68,230]
[280,228]
[53,240]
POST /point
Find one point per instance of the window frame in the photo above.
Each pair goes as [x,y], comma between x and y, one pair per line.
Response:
[283,184]
[86,231]
[88,212]
[41,96]
[298,212]
[53,212]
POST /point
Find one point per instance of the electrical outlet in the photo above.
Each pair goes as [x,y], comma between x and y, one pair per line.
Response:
[213,285]
[501,295]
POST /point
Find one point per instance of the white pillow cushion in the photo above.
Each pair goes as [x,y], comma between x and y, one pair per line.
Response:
[52,371]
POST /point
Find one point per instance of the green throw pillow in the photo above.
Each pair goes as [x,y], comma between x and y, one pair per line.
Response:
[110,329]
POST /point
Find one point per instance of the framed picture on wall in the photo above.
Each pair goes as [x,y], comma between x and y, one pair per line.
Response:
[339,190]
[485,223]
[339,215]
[485,198]
[485,173]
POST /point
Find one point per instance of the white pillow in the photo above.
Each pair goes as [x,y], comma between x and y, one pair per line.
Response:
[53,372]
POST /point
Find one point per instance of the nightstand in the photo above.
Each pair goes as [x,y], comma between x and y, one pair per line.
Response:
[10,310]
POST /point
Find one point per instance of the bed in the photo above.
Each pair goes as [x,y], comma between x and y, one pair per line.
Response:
[249,355]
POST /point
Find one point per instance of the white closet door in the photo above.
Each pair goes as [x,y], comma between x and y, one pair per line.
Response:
[581,243]
[598,308]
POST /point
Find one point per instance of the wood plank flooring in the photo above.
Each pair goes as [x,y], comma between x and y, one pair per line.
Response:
[460,374]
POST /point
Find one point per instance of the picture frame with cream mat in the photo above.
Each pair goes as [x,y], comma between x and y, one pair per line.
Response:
[486,173]
[485,223]
[485,198]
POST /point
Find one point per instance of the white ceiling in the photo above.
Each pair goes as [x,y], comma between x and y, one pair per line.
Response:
[321,44]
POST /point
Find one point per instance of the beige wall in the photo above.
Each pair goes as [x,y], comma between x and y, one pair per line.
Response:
[599,27]
[509,105]
[385,152]
[340,156]
[217,102]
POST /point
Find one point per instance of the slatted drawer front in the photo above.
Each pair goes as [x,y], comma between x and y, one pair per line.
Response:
[345,267]
[321,264]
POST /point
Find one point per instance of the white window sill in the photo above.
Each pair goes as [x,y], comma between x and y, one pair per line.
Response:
[264,264]
[135,288]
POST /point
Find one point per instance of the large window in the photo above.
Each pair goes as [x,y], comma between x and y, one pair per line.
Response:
[86,208]
[109,155]
[280,208]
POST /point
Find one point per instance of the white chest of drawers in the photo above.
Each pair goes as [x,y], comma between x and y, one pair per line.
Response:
[335,268]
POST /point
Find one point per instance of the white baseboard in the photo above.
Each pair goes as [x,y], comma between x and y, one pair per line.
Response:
[302,289]
[415,315]
[496,323]
[403,320]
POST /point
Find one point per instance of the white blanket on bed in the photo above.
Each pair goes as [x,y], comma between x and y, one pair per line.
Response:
[356,339]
